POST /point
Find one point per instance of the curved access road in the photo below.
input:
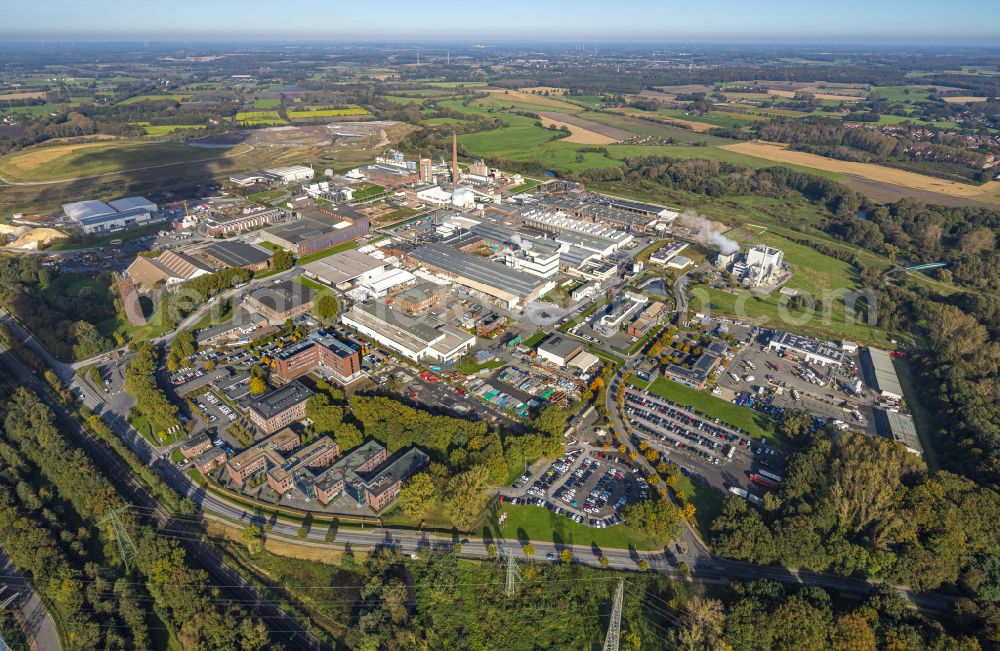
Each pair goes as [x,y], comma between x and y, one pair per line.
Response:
[200,552]
[39,625]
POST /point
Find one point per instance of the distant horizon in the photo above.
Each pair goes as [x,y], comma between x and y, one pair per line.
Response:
[778,22]
[988,45]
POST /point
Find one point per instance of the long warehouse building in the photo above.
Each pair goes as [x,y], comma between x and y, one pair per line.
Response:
[509,286]
[880,374]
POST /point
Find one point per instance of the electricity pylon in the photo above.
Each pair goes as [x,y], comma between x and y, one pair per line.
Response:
[126,548]
[615,625]
[513,571]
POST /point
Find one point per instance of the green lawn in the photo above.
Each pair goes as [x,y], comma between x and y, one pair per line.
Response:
[901,93]
[535,339]
[824,278]
[754,422]
[326,113]
[537,524]
[439,121]
[271,245]
[311,284]
[157,130]
[154,98]
[265,197]
[346,246]
[922,418]
[706,499]
[365,191]
[259,118]
[470,367]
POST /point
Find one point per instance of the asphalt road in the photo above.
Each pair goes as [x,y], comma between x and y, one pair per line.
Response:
[700,563]
[40,627]
[200,552]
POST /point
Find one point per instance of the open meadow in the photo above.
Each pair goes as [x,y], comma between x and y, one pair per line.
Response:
[259,118]
[41,164]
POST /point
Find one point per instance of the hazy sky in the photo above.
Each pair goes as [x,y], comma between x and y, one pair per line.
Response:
[971,22]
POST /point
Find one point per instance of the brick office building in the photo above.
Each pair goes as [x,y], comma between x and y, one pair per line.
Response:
[279,407]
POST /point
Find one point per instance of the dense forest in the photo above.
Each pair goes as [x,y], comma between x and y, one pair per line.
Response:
[62,312]
[53,508]
[863,506]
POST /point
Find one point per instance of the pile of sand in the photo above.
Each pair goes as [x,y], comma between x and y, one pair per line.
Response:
[31,238]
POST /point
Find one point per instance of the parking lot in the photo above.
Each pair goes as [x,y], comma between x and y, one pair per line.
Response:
[587,487]
[722,455]
[823,391]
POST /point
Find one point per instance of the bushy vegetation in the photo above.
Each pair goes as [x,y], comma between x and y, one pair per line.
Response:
[99,605]
[61,311]
[864,506]
[140,382]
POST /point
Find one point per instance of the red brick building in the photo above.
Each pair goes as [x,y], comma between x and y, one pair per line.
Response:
[280,407]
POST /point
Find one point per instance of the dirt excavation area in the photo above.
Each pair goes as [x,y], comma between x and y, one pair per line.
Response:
[24,237]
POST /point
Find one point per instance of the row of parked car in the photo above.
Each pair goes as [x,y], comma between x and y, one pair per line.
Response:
[671,410]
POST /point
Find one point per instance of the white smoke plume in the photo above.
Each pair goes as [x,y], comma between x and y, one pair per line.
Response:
[703,232]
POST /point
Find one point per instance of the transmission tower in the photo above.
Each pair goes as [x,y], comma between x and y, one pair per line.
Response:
[9,600]
[126,548]
[615,626]
[513,571]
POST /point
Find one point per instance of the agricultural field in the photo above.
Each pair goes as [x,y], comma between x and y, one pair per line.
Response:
[42,164]
[157,130]
[579,132]
[697,127]
[155,98]
[988,192]
[537,100]
[456,84]
[259,118]
[905,94]
[34,94]
[326,113]
[265,104]
[644,127]
[37,110]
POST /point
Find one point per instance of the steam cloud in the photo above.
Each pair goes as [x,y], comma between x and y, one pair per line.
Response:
[704,233]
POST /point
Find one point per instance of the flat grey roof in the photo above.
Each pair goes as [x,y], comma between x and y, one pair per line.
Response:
[826,349]
[300,230]
[238,254]
[283,296]
[281,399]
[898,427]
[560,345]
[132,203]
[419,292]
[884,373]
[417,329]
[343,267]
[479,269]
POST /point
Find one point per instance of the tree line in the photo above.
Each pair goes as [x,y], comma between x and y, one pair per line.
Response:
[100,604]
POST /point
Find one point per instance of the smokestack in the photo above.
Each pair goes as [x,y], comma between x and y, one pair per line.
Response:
[454,157]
